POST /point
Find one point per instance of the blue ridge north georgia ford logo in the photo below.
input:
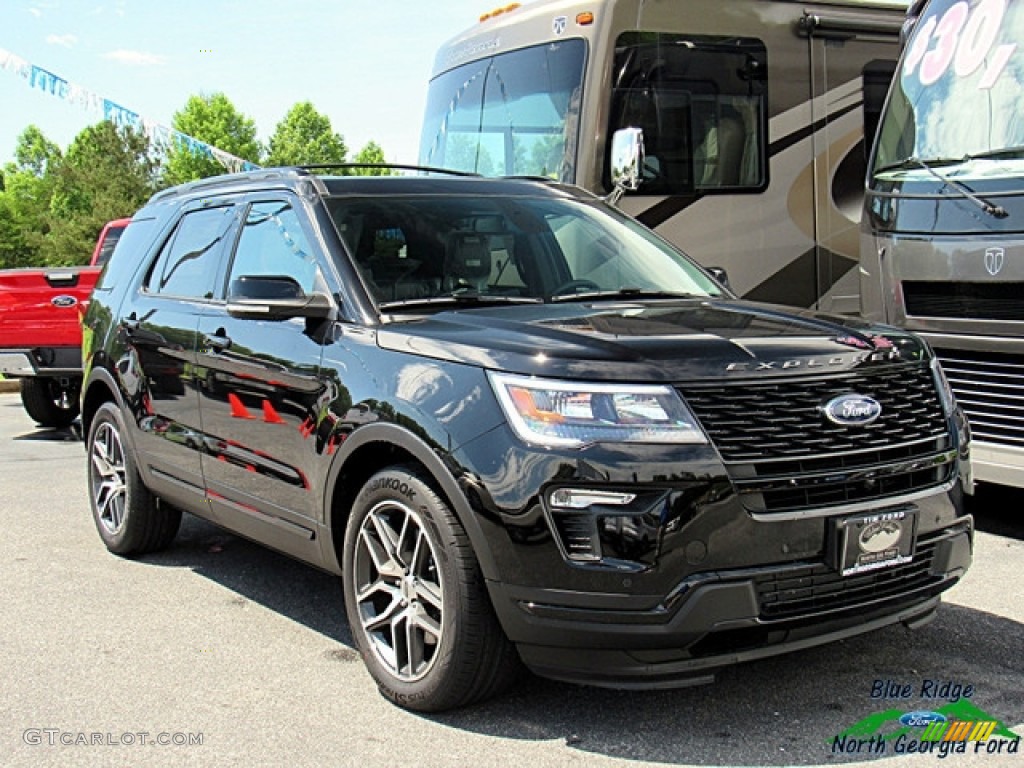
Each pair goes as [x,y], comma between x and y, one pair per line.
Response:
[852,410]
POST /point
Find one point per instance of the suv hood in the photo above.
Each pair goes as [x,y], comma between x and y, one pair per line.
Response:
[651,341]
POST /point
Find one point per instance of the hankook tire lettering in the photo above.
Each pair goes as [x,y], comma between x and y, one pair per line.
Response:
[394,484]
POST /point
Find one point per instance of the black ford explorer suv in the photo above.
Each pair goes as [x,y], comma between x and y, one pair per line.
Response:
[519,425]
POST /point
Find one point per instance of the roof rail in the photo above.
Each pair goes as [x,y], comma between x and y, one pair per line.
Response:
[387,166]
[284,171]
[220,180]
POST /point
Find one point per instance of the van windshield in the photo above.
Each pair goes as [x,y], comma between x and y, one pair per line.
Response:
[956,102]
[422,248]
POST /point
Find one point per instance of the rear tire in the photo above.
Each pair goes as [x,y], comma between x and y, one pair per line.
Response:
[415,598]
[50,404]
[130,519]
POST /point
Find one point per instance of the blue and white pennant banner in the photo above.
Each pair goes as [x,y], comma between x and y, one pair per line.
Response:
[162,137]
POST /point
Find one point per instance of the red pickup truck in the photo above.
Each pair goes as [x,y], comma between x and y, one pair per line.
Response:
[41,333]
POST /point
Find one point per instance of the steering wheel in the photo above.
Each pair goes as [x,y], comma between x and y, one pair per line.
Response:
[575,286]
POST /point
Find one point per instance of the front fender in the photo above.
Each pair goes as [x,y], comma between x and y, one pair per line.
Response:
[394,435]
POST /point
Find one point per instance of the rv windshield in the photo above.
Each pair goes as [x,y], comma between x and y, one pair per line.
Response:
[512,114]
[956,103]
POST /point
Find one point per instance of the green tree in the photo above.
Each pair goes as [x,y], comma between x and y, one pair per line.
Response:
[35,153]
[107,173]
[215,121]
[371,154]
[27,189]
[305,137]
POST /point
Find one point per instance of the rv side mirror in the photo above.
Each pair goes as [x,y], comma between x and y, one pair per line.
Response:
[627,159]
[720,275]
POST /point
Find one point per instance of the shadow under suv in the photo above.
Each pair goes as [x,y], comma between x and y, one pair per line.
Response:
[521,427]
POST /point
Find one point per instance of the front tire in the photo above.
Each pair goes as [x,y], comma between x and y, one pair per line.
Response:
[415,598]
[130,519]
[50,404]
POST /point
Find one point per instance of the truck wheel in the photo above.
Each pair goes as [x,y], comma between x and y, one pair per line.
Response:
[50,404]
[130,519]
[415,598]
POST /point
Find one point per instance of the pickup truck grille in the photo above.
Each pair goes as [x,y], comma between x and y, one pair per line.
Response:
[990,389]
[784,456]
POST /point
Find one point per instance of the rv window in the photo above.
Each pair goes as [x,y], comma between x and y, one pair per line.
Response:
[702,105]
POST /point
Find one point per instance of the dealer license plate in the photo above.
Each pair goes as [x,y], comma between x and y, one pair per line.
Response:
[878,540]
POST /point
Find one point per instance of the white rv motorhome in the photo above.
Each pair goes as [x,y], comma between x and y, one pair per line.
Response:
[753,114]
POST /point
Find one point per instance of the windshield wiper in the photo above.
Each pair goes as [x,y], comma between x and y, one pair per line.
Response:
[1004,153]
[459,297]
[916,162]
[627,293]
[931,164]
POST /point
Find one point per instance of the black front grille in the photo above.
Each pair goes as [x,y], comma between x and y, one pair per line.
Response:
[990,389]
[972,301]
[755,421]
[812,590]
[796,492]
[784,455]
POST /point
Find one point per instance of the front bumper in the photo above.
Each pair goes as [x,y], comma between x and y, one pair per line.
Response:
[715,619]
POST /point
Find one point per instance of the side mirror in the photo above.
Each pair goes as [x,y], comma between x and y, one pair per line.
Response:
[627,161]
[276,297]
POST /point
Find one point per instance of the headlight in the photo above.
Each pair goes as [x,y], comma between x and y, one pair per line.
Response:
[573,414]
[942,384]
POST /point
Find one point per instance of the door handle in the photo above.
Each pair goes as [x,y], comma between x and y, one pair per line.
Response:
[216,342]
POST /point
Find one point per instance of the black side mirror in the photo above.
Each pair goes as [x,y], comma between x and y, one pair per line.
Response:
[276,297]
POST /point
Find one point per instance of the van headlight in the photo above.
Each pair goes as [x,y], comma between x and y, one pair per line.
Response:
[572,414]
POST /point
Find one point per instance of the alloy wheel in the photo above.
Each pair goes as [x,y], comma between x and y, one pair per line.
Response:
[107,473]
[399,590]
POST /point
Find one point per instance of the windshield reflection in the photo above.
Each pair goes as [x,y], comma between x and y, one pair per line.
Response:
[957,98]
[423,250]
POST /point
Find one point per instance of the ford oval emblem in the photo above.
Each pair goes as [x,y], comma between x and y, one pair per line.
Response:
[64,301]
[852,410]
[921,718]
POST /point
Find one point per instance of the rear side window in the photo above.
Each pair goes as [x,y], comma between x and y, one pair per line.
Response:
[188,262]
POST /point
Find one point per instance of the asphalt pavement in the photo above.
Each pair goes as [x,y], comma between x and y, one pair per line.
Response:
[220,653]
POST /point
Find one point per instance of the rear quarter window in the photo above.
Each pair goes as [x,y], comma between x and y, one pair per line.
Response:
[129,248]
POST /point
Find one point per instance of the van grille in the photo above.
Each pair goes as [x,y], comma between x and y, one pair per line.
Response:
[784,456]
[990,389]
[971,301]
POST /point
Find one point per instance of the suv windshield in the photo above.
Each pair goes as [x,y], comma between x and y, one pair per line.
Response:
[956,102]
[421,249]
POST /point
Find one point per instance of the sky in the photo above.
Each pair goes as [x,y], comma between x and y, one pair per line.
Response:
[363,63]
